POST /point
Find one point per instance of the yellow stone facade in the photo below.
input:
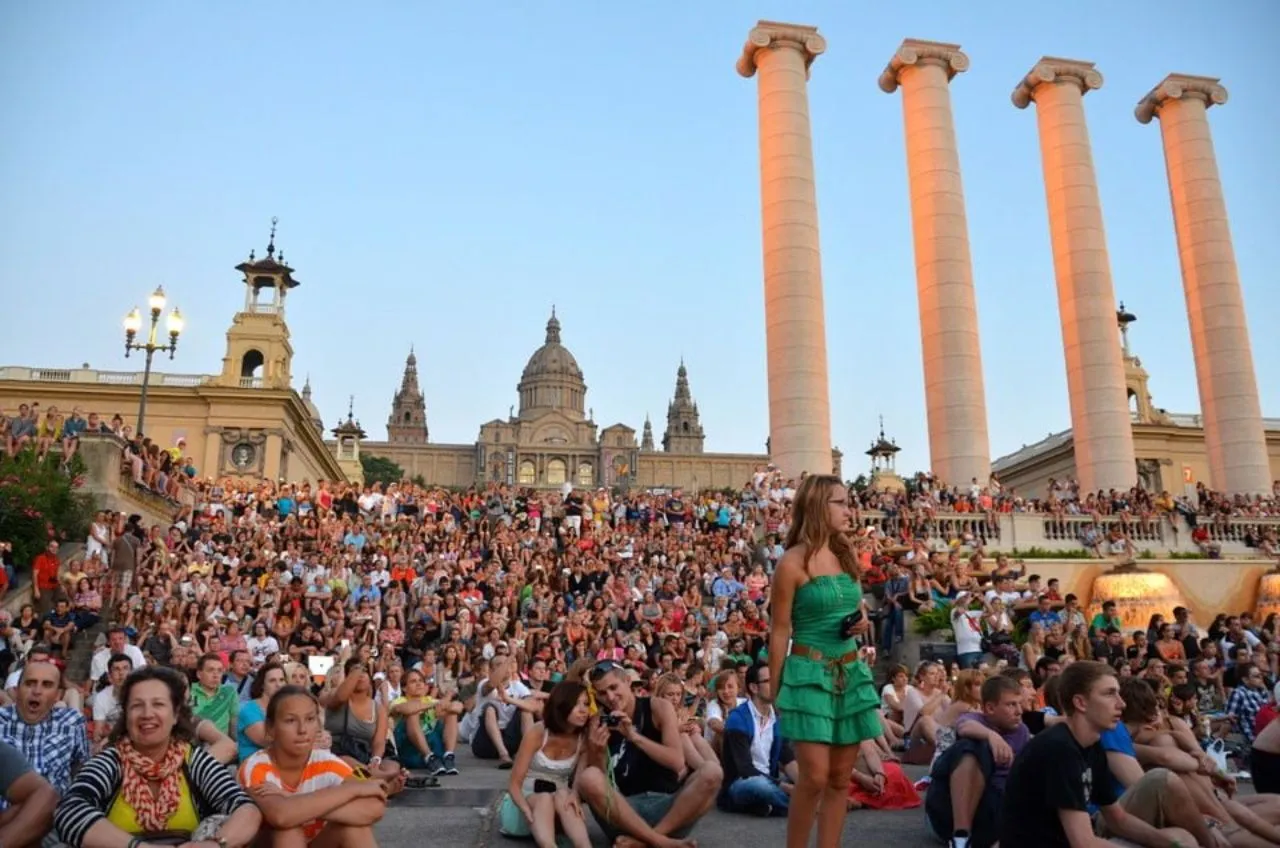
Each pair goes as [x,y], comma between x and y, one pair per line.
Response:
[246,421]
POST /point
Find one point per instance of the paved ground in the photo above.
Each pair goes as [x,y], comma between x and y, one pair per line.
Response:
[460,815]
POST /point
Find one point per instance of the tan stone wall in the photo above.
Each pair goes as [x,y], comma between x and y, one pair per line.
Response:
[440,465]
[696,471]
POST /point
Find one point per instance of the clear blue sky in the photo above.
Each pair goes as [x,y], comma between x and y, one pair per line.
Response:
[442,177]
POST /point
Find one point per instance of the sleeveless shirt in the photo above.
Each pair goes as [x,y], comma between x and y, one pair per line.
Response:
[634,772]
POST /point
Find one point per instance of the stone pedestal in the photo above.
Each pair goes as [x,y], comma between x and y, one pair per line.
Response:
[100,453]
[1235,439]
[1102,431]
[959,449]
[779,55]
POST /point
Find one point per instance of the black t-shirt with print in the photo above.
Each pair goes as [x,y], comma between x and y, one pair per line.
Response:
[1053,772]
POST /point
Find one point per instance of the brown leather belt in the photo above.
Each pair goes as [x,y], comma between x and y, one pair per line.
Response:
[836,665]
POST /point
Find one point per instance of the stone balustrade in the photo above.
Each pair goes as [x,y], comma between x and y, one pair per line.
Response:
[94,375]
[1024,531]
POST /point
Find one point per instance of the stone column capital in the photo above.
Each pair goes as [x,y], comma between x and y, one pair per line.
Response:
[915,52]
[767,35]
[1178,87]
[1051,69]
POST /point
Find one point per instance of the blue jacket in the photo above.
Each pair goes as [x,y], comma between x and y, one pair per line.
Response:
[735,752]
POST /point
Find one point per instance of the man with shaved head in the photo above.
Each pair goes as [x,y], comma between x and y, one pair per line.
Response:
[51,737]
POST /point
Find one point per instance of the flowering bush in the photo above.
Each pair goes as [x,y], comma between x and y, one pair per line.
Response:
[40,501]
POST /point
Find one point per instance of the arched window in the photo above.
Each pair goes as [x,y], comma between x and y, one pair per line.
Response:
[528,474]
[684,427]
[251,363]
[557,472]
[408,417]
[586,474]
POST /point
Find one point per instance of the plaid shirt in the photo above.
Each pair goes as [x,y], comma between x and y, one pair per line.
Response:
[55,747]
[1244,703]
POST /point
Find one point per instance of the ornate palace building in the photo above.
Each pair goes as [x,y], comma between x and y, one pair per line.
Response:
[552,438]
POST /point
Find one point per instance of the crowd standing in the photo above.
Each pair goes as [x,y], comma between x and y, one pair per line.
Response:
[621,655]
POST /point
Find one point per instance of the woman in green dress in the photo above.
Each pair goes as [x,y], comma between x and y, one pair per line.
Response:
[826,699]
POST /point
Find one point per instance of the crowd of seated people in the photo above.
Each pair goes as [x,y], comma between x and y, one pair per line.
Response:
[166,472]
[341,642]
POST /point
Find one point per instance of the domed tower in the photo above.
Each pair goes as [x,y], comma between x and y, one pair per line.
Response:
[408,422]
[684,430]
[552,381]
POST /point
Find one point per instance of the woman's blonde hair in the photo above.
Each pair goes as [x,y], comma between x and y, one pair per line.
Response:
[665,681]
[811,526]
[964,679]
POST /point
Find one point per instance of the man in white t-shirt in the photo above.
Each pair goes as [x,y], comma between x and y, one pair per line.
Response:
[106,703]
[1005,591]
[967,625]
[117,643]
[505,709]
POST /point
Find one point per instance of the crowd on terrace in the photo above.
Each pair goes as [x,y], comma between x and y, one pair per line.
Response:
[341,642]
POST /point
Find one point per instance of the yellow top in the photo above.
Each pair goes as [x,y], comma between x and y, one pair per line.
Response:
[184,819]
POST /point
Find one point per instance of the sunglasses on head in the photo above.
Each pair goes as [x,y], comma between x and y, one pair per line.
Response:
[602,668]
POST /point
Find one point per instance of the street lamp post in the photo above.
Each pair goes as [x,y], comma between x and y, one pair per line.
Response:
[132,324]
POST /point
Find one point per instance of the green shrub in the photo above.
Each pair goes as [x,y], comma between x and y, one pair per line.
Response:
[1186,555]
[40,501]
[938,618]
[1041,553]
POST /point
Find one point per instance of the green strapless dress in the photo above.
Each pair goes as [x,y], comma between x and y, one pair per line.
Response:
[823,700]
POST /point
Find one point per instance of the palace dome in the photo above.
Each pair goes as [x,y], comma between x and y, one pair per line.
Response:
[552,359]
[552,380]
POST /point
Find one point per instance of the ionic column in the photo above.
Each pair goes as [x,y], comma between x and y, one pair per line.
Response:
[1101,430]
[795,332]
[959,450]
[1234,437]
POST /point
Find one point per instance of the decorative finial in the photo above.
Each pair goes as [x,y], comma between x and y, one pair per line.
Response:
[252,254]
[351,407]
[553,327]
[271,243]
[882,426]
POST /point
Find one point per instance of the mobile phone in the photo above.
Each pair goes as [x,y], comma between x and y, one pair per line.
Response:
[346,643]
[543,787]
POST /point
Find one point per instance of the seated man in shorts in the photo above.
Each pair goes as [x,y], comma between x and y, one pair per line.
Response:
[426,728]
[1062,774]
[1176,789]
[967,782]
[638,738]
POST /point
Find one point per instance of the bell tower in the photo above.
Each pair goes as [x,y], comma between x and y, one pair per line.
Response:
[684,430]
[259,355]
[408,422]
[1141,409]
[347,450]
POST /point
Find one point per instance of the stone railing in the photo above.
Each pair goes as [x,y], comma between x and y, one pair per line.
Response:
[93,375]
[1024,531]
[944,525]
